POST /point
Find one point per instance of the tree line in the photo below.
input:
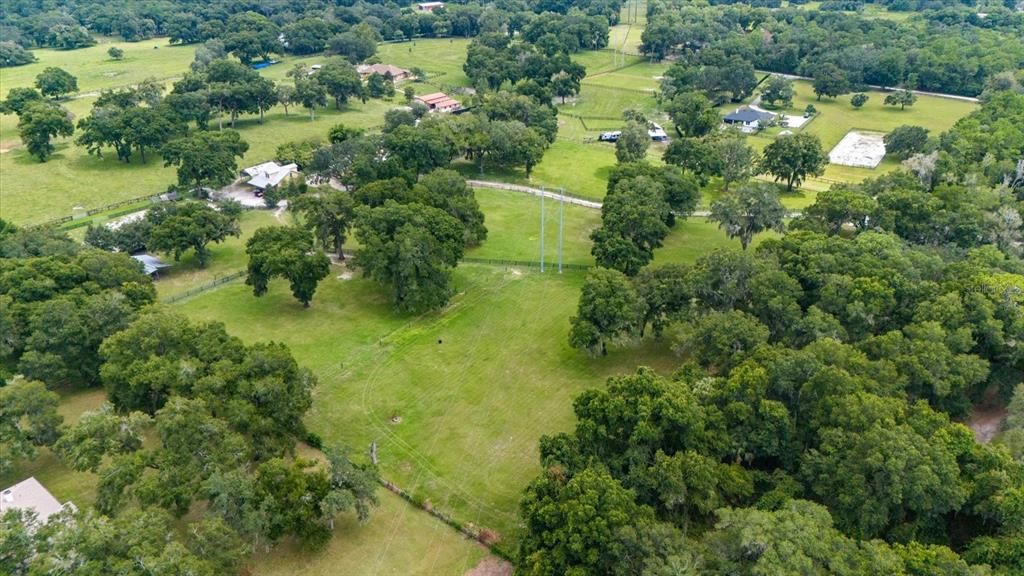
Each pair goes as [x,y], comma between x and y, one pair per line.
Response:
[813,422]
[250,33]
[926,55]
[193,415]
[134,120]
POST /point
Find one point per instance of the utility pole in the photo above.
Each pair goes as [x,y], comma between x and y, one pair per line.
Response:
[561,225]
[542,230]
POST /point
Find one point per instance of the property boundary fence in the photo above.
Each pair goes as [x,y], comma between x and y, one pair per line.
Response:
[232,276]
[204,287]
[152,198]
[548,266]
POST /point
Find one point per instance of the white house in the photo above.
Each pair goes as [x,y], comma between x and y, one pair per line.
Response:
[268,174]
[429,6]
[31,495]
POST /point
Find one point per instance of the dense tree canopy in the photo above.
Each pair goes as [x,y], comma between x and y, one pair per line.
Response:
[287,252]
[411,248]
[206,158]
[184,226]
[945,51]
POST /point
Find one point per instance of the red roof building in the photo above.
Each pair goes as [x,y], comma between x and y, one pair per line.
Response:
[439,102]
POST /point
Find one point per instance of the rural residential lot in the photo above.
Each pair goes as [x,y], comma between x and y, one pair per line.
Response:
[488,320]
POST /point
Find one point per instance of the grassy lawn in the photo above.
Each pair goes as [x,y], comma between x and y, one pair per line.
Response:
[691,239]
[225,258]
[33,192]
[625,36]
[397,540]
[640,75]
[604,102]
[440,58]
[457,400]
[513,228]
[581,169]
[837,117]
[96,70]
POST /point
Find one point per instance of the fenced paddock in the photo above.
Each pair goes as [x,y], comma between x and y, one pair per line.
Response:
[859,149]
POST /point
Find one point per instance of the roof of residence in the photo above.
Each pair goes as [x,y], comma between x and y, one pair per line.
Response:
[382,69]
[747,115]
[29,494]
[269,173]
[439,100]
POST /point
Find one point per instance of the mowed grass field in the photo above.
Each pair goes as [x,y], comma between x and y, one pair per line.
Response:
[225,258]
[456,401]
[440,58]
[513,228]
[837,117]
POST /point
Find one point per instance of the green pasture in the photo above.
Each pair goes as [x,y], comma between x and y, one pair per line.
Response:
[440,58]
[457,400]
[870,11]
[398,540]
[626,34]
[33,192]
[513,228]
[607,103]
[695,237]
[96,70]
[837,116]
[580,169]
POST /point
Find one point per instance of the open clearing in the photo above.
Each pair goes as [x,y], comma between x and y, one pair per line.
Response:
[472,386]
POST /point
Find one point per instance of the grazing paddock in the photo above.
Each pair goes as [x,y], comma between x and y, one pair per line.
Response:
[581,169]
[513,228]
[440,58]
[398,540]
[455,400]
[225,258]
[33,192]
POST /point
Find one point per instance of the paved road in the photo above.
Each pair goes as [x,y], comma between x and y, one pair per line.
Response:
[568,199]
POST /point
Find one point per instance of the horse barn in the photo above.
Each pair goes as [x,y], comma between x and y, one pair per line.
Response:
[439,102]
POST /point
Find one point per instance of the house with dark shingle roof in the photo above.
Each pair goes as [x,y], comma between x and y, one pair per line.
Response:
[747,119]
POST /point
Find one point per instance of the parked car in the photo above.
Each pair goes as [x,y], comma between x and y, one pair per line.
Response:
[610,136]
